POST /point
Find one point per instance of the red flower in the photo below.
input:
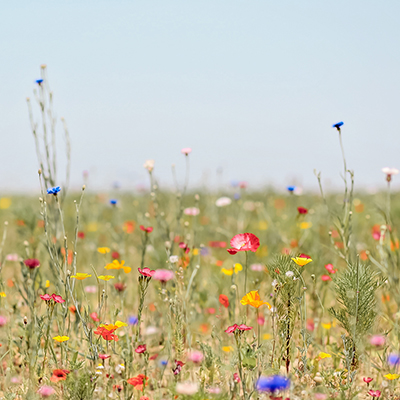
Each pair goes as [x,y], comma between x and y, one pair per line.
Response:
[244,242]
[59,375]
[46,297]
[138,381]
[326,278]
[302,255]
[147,230]
[147,272]
[178,368]
[140,349]
[119,286]
[374,393]
[210,310]
[81,235]
[106,334]
[236,377]
[224,300]
[104,356]
[367,380]
[302,210]
[231,329]
[244,327]
[115,255]
[154,356]
[32,263]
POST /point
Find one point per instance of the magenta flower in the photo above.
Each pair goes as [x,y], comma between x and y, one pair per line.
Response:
[231,329]
[104,356]
[244,242]
[140,349]
[163,275]
[196,356]
[46,297]
[374,393]
[3,320]
[377,340]
[57,298]
[32,263]
[244,327]
[46,391]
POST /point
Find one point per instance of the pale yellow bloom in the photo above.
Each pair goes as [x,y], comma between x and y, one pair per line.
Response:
[305,225]
[323,355]
[106,277]
[81,276]
[103,250]
[5,202]
[236,269]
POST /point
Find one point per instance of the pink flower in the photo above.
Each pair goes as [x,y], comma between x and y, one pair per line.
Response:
[3,320]
[244,327]
[374,393]
[147,272]
[196,357]
[32,263]
[186,151]
[326,278]
[46,297]
[57,298]
[140,349]
[367,380]
[90,289]
[104,356]
[149,229]
[236,377]
[244,242]
[12,257]
[377,340]
[330,269]
[163,275]
[46,391]
[192,211]
[231,329]
[257,267]
[320,396]
[261,321]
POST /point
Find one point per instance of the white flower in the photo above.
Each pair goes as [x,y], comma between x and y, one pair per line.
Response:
[290,274]
[149,165]
[120,368]
[390,171]
[173,259]
[187,388]
[274,283]
[223,202]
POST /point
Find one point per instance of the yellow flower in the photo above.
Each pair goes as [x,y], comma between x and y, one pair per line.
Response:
[237,268]
[106,277]
[322,355]
[118,265]
[326,325]
[118,324]
[253,298]
[305,225]
[227,349]
[195,252]
[2,294]
[47,284]
[5,202]
[301,261]
[92,227]
[103,250]
[61,339]
[391,376]
[81,276]
[267,336]
[262,225]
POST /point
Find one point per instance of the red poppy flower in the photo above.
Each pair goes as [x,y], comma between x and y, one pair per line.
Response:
[147,230]
[223,299]
[115,255]
[140,349]
[147,272]
[32,263]
[59,375]
[138,381]
[244,242]
[154,356]
[302,210]
[119,286]
[106,334]
[104,356]
[81,235]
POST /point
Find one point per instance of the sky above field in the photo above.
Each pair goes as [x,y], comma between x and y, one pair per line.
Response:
[253,87]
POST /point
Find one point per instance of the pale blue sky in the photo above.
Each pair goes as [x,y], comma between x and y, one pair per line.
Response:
[252,86]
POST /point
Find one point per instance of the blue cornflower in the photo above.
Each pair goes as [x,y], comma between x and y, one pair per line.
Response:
[234,183]
[132,320]
[291,188]
[54,190]
[393,359]
[113,202]
[164,362]
[39,81]
[338,125]
[204,251]
[272,383]
[236,196]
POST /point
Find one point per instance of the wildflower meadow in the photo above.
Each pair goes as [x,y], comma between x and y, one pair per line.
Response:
[185,293]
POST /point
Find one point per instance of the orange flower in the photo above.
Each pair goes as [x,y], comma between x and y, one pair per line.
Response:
[253,298]
[59,375]
[138,381]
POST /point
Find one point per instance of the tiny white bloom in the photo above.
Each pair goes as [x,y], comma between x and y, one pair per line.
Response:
[274,283]
[173,259]
[289,274]
[223,201]
[390,171]
[149,165]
